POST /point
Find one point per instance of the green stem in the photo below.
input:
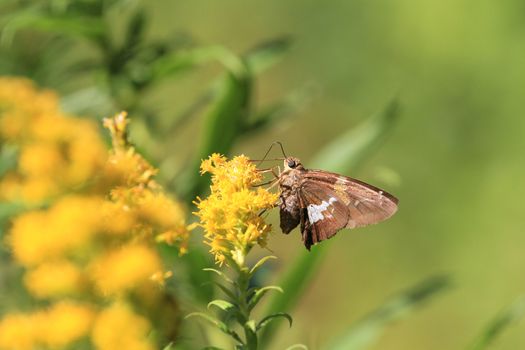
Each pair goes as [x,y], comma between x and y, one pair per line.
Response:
[243,279]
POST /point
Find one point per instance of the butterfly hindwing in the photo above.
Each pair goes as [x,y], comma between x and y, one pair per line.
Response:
[324,213]
[366,204]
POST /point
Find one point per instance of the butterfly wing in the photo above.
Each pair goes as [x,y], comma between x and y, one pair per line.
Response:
[323,213]
[333,202]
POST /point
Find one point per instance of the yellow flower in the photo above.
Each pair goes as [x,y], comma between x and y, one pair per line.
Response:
[58,153]
[18,332]
[119,218]
[230,214]
[40,159]
[60,325]
[118,327]
[68,225]
[125,268]
[65,323]
[54,279]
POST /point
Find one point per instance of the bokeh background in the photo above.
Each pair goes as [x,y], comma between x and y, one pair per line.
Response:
[454,153]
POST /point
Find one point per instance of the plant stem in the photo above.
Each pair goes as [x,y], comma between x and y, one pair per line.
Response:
[243,279]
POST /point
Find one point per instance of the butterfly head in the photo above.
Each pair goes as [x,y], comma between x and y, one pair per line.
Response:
[292,163]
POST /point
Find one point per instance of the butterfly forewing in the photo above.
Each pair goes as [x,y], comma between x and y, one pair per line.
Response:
[366,204]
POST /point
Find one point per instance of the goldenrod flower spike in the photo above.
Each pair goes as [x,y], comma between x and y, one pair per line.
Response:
[230,217]
[230,214]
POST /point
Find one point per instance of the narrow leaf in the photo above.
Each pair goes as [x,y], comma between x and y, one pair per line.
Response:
[265,321]
[508,317]
[267,54]
[225,290]
[261,262]
[288,106]
[221,304]
[222,126]
[88,27]
[352,147]
[195,261]
[259,293]
[183,60]
[220,273]
[365,332]
[221,325]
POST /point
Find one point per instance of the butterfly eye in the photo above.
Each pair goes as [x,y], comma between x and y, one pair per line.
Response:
[291,163]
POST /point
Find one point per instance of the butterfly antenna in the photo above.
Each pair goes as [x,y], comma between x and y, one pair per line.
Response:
[282,148]
[268,151]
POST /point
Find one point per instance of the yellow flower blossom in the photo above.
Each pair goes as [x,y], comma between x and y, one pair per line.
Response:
[58,153]
[230,214]
[18,332]
[125,268]
[69,224]
[59,326]
[54,279]
[65,323]
[118,327]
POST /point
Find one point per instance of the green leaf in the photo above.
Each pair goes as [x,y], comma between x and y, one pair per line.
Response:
[508,317]
[261,262]
[265,321]
[352,147]
[225,290]
[259,293]
[355,145]
[136,29]
[88,27]
[199,280]
[220,273]
[170,346]
[221,304]
[184,60]
[221,325]
[362,334]
[251,325]
[267,54]
[268,116]
[294,282]
[222,126]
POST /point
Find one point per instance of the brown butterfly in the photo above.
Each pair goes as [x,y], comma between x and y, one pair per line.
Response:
[324,202]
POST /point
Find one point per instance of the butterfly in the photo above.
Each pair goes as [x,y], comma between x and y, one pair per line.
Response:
[323,203]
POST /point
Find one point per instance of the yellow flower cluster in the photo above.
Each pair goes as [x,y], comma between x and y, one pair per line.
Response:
[91,234]
[230,215]
[62,324]
[57,154]
[118,327]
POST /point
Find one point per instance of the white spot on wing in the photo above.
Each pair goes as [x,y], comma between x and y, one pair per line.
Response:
[315,212]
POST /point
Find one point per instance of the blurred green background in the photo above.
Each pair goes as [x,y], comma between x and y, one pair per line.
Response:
[455,157]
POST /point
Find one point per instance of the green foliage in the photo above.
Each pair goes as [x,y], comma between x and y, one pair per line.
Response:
[508,317]
[361,335]
[242,301]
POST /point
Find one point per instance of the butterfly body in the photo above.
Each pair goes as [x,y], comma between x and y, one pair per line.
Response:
[324,203]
